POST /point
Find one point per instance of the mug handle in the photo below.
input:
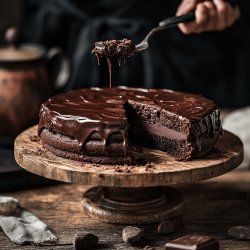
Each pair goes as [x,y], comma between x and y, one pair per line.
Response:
[63,73]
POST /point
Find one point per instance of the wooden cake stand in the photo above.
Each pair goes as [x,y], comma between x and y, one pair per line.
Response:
[130,194]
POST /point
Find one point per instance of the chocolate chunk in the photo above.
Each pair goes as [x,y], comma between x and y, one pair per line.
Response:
[240,232]
[85,241]
[132,235]
[167,226]
[193,242]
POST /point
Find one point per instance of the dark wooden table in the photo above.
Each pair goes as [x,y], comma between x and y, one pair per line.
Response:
[212,207]
[13,177]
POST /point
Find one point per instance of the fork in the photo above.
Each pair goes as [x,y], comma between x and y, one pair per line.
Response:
[165,24]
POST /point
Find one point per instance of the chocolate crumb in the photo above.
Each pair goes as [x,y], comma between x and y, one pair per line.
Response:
[34,138]
[41,152]
[148,166]
[96,165]
[123,168]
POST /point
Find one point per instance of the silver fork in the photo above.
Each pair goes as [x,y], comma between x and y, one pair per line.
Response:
[165,24]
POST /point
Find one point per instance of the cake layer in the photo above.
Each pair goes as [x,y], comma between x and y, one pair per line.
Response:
[92,147]
[88,158]
[106,122]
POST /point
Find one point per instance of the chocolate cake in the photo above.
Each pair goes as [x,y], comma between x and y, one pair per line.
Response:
[101,125]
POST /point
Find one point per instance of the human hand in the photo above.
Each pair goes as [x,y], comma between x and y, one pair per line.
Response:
[213,15]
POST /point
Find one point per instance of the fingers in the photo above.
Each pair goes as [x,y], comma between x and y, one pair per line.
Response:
[185,7]
[213,15]
[231,15]
[203,12]
[202,18]
[222,14]
[226,14]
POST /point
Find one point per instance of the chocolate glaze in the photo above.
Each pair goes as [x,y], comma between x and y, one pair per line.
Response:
[109,49]
[80,113]
[110,71]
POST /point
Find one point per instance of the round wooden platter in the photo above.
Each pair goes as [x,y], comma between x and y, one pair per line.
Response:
[161,169]
[130,194]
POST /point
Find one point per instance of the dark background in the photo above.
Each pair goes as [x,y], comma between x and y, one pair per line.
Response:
[215,64]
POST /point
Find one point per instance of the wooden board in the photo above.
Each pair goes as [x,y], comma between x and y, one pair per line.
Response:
[162,169]
[133,206]
[212,207]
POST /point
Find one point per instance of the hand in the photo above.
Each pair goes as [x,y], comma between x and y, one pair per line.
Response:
[214,15]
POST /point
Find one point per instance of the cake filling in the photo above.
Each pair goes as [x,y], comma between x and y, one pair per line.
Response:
[162,131]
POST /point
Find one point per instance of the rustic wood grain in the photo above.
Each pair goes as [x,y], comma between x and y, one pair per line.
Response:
[133,205]
[212,207]
[162,169]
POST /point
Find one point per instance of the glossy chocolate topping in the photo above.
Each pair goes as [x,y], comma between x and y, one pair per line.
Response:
[81,113]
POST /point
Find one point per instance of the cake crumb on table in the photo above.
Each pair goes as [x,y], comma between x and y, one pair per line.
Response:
[34,138]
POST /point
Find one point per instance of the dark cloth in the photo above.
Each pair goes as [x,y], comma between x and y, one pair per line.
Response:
[215,64]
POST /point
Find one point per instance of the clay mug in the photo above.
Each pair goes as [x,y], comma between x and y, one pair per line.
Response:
[25,83]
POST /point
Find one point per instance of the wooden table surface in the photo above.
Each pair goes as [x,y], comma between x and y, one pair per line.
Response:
[212,207]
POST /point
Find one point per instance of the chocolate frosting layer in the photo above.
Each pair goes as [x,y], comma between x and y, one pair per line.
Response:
[80,113]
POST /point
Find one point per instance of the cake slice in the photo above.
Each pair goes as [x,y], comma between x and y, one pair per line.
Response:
[182,124]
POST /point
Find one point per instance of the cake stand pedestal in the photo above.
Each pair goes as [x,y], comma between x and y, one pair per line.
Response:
[130,194]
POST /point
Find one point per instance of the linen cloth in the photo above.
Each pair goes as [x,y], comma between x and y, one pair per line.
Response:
[21,226]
